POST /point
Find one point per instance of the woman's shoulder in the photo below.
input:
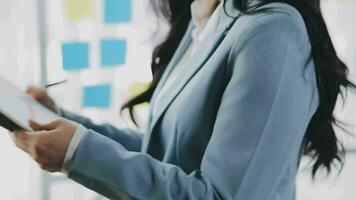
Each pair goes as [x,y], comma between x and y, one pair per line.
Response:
[280,19]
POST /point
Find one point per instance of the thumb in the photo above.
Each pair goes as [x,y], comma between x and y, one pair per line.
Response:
[43,127]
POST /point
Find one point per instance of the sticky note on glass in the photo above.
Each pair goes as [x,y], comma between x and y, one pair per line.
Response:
[117,11]
[79,9]
[113,52]
[75,56]
[97,96]
[138,88]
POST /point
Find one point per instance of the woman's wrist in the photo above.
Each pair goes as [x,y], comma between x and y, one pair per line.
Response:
[72,148]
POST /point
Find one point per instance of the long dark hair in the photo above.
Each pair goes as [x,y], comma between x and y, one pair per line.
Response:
[331,73]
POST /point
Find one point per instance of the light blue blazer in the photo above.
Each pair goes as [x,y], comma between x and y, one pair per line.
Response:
[232,127]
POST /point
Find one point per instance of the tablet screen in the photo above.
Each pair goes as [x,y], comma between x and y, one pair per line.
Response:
[20,107]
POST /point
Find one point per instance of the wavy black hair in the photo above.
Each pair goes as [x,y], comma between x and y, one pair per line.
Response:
[331,73]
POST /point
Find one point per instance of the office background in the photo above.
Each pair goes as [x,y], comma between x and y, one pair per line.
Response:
[48,41]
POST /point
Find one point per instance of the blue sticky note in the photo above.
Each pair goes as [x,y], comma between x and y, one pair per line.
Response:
[113,52]
[97,96]
[75,56]
[117,11]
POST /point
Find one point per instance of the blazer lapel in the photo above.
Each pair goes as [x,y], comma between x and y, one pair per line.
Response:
[182,47]
[202,54]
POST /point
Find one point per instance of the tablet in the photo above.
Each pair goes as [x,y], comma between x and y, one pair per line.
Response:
[17,108]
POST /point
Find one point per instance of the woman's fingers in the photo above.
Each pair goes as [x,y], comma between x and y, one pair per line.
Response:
[23,140]
[35,126]
[43,127]
[35,92]
[48,145]
[42,97]
[34,144]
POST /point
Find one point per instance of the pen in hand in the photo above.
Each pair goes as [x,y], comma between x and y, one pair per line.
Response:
[54,84]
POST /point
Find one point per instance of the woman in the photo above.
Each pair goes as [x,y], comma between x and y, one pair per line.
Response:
[239,93]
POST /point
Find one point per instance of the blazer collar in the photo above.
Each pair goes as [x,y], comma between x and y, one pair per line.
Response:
[229,13]
[202,54]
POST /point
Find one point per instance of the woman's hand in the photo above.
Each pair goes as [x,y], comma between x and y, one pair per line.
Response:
[48,145]
[42,97]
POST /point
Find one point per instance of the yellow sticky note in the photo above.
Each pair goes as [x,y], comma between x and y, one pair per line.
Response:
[138,88]
[79,9]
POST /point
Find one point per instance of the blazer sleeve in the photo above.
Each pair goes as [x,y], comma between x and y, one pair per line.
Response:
[130,139]
[260,124]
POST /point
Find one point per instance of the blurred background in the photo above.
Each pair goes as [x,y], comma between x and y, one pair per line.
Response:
[93,44]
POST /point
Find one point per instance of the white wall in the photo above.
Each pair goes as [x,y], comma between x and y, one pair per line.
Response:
[340,16]
[19,62]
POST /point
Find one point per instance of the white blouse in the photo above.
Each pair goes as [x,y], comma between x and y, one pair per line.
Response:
[202,29]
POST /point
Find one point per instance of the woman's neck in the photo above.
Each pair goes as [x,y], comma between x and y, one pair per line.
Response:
[202,10]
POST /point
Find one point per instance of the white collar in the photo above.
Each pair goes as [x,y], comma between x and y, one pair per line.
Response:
[205,17]
[201,10]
